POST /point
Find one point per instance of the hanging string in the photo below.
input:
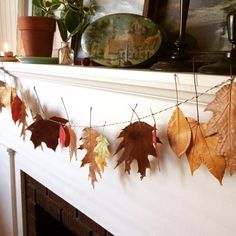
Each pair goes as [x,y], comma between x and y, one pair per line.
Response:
[155,113]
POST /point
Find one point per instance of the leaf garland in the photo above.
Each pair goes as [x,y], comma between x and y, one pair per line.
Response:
[223,122]
[136,144]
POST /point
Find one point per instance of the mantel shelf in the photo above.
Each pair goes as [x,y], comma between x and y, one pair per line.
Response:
[141,82]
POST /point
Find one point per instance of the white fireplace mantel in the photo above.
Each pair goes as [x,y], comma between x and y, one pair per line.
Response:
[169,202]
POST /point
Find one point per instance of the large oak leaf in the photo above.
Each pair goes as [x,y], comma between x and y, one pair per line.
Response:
[179,133]
[223,122]
[137,144]
[46,130]
[202,150]
[89,137]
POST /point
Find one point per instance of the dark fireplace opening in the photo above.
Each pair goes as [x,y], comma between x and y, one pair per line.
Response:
[47,214]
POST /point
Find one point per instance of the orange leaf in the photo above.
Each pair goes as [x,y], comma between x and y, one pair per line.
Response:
[202,149]
[137,144]
[223,122]
[89,137]
[16,108]
[178,133]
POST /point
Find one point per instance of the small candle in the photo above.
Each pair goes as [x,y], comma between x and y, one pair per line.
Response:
[1,53]
[7,53]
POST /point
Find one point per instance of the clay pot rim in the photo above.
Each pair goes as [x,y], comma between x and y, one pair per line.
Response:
[36,23]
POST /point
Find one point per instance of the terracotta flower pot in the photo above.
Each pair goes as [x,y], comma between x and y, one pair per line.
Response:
[37,35]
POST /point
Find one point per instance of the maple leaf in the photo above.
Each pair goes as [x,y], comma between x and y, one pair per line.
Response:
[223,122]
[46,130]
[102,151]
[137,144]
[202,150]
[89,137]
[18,110]
[178,133]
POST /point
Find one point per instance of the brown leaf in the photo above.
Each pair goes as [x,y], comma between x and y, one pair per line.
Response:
[46,131]
[137,144]
[223,122]
[202,149]
[89,137]
[73,142]
[178,133]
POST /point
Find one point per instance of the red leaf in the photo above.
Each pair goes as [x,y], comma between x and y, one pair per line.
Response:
[64,136]
[16,108]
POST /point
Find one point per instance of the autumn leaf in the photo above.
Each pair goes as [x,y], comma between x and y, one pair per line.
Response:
[73,143]
[223,122]
[64,136]
[46,130]
[89,137]
[178,133]
[137,144]
[202,150]
[102,151]
[6,95]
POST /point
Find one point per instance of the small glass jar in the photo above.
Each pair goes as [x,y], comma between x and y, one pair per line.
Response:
[66,54]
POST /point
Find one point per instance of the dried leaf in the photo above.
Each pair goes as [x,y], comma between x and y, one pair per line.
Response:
[178,133]
[89,137]
[64,136]
[73,142]
[223,122]
[102,151]
[137,144]
[46,131]
[202,149]
[6,95]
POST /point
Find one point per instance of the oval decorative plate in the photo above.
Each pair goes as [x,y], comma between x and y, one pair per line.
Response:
[121,40]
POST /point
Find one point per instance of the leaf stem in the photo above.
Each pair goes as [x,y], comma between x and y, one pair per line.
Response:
[133,113]
[176,90]
[65,109]
[196,93]
[39,103]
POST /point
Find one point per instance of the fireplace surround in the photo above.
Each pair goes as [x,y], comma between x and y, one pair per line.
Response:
[169,202]
[48,214]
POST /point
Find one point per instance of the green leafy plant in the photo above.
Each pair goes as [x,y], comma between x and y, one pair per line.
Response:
[71,16]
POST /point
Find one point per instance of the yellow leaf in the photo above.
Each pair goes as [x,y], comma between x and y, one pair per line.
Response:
[102,151]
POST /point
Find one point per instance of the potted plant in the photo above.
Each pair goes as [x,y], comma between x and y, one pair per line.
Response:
[37,32]
[71,17]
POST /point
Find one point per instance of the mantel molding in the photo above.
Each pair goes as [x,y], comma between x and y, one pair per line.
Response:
[141,82]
